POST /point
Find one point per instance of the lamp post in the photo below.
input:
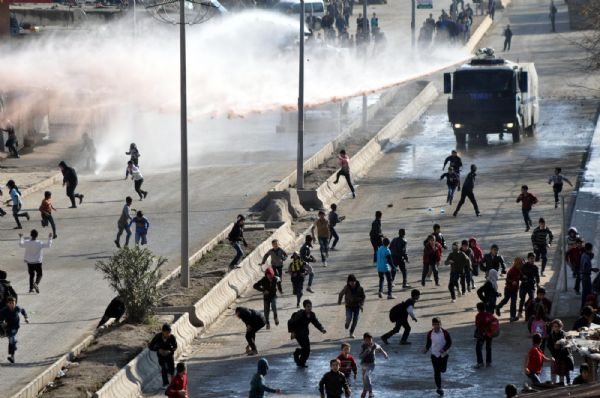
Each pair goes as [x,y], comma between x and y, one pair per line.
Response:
[365,42]
[185,266]
[413,24]
[300,155]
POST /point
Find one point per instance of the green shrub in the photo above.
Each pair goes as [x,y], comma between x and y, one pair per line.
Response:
[134,274]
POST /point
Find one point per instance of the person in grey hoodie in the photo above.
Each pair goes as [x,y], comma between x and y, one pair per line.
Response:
[257,384]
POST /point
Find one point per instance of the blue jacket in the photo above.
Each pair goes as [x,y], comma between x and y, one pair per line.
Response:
[257,385]
[12,318]
[383,265]
[586,264]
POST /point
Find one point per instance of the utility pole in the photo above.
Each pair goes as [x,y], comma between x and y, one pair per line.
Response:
[185,266]
[413,24]
[300,155]
[365,43]
[562,240]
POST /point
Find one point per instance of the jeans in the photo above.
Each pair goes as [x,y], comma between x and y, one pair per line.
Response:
[557,188]
[464,195]
[401,323]
[279,274]
[71,194]
[535,379]
[239,253]
[507,44]
[15,212]
[324,247]
[488,349]
[450,196]
[48,219]
[35,270]
[541,252]
[439,366]
[140,237]
[346,174]
[512,296]
[426,270]
[297,286]
[301,354]
[11,334]
[525,290]
[251,337]
[270,303]
[333,235]
[577,277]
[388,277]
[138,188]
[526,218]
[167,367]
[402,267]
[586,287]
[367,370]
[11,144]
[466,281]
[127,230]
[454,278]
[352,315]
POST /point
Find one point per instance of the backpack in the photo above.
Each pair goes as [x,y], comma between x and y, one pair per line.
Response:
[492,326]
[395,312]
[293,321]
[538,326]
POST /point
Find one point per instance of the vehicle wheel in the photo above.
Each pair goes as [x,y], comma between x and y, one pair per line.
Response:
[517,132]
[461,138]
[531,130]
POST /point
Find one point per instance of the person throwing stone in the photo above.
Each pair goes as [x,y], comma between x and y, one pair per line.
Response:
[467,191]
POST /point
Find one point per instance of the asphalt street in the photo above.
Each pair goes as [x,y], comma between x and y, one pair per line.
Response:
[405,185]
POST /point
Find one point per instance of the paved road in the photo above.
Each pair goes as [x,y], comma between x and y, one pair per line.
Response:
[407,177]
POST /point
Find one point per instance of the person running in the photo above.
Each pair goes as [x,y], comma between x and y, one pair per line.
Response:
[467,192]
[399,314]
[530,278]
[46,209]
[376,235]
[142,225]
[573,259]
[334,220]
[511,289]
[134,156]
[527,201]
[399,257]
[6,290]
[367,362]
[178,388]
[297,271]
[138,179]
[508,34]
[298,327]
[384,266]
[268,286]
[458,262]
[585,272]
[11,142]
[11,322]
[236,238]
[347,363]
[535,361]
[488,292]
[493,260]
[254,321]
[432,253]
[17,203]
[165,345]
[258,387]
[439,343]
[354,299]
[453,183]
[557,180]
[541,238]
[466,278]
[322,227]
[278,256]
[484,333]
[334,383]
[308,258]
[70,180]
[344,160]
[455,162]
[124,222]
[33,257]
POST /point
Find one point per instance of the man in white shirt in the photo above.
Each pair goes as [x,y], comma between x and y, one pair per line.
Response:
[33,257]
[439,342]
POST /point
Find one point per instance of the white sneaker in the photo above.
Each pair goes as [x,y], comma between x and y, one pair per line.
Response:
[454,300]
[351,336]
[325,264]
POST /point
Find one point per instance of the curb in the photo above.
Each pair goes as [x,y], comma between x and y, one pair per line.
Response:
[56,178]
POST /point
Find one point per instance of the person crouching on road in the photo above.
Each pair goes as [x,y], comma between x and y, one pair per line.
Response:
[179,385]
[33,257]
[268,286]
[165,345]
[9,318]
[254,321]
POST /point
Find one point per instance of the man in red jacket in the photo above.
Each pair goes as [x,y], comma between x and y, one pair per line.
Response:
[511,289]
[178,387]
[573,258]
[527,201]
[432,253]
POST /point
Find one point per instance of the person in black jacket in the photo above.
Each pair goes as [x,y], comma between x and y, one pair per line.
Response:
[298,327]
[354,296]
[236,237]
[376,235]
[254,321]
[454,160]
[493,260]
[541,239]
[530,278]
[268,286]
[165,345]
[6,290]
[399,256]
[333,383]
[488,292]
[70,180]
[467,191]
[115,309]
[399,314]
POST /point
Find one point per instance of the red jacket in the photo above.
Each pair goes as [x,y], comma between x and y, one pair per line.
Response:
[573,256]
[513,277]
[527,200]
[178,383]
[432,256]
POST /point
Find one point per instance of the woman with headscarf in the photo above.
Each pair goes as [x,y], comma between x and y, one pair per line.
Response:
[488,293]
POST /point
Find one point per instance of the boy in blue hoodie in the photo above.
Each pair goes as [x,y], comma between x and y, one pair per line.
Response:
[257,385]
[9,318]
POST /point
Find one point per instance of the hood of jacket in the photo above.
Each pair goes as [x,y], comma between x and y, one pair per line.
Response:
[263,366]
[492,277]
[573,229]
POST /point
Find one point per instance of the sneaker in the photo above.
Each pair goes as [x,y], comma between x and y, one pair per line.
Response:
[54,236]
[31,290]
[27,216]
[238,266]
[325,264]
[80,199]
[145,194]
[11,359]
[385,340]
[353,195]
[440,392]
[72,207]
[527,229]
[252,353]
[117,244]
[477,215]
[498,311]
[380,295]
[346,325]
[276,322]
[454,300]
[478,366]
[488,365]
[351,335]
[402,342]
[268,326]
[309,289]
[437,284]
[333,249]
[514,319]
[36,287]
[405,286]
[390,297]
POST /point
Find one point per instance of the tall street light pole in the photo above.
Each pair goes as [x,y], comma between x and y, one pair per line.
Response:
[185,269]
[300,156]
[365,43]
[413,24]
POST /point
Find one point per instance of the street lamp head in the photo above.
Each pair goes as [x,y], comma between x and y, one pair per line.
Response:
[196,11]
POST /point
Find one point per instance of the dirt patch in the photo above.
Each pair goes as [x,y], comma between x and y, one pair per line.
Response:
[101,361]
